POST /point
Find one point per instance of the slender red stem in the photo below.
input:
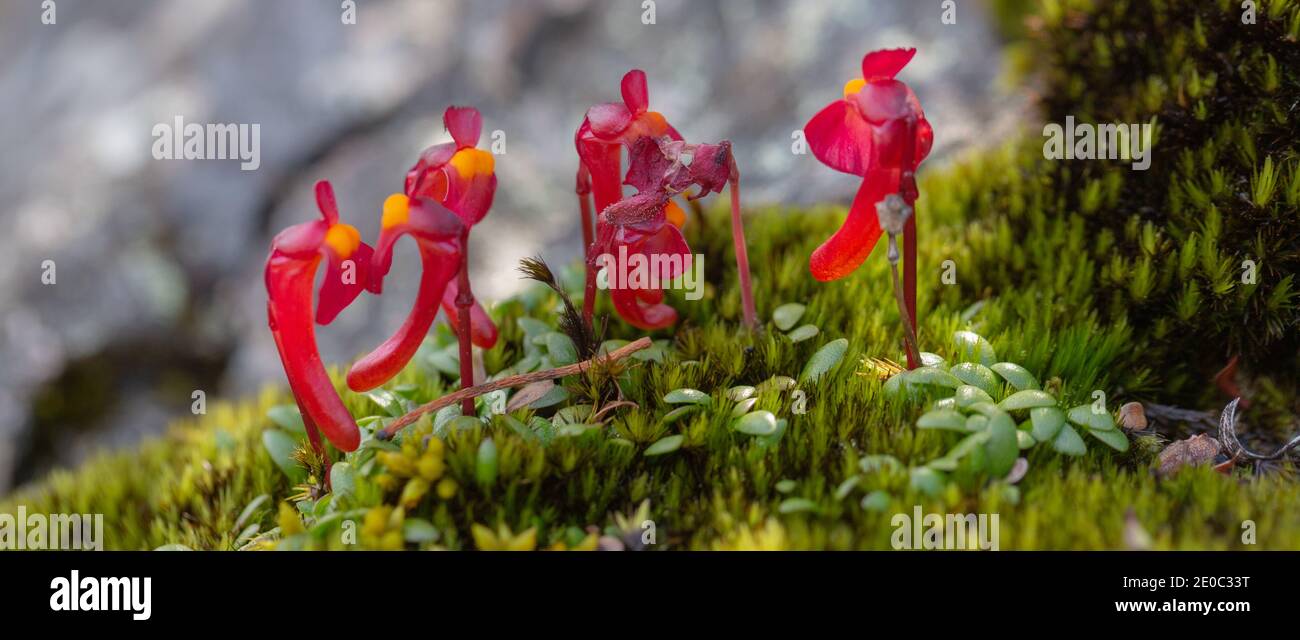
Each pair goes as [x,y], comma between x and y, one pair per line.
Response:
[909,283]
[742,255]
[909,334]
[465,300]
[584,204]
[583,190]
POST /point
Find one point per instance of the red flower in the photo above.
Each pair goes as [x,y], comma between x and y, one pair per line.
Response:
[438,232]
[876,131]
[290,275]
[605,131]
[600,140]
[640,225]
[608,128]
[463,179]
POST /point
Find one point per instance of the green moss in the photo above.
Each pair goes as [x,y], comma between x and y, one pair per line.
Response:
[1091,276]
[720,488]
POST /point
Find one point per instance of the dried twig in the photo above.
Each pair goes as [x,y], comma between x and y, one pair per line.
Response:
[508,382]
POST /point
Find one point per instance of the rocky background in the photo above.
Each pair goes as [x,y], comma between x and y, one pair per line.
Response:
[159,262]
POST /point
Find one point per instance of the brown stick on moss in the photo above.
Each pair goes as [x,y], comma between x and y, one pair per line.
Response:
[508,382]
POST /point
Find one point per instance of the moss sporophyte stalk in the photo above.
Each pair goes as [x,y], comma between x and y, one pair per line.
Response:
[772,412]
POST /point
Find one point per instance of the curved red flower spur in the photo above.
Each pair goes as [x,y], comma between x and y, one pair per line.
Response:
[291,268]
[438,232]
[877,131]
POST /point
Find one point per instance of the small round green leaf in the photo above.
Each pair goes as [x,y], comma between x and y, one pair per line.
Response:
[741,392]
[1084,416]
[419,530]
[796,505]
[687,396]
[927,481]
[1023,439]
[561,349]
[743,407]
[879,462]
[1018,376]
[1114,438]
[968,395]
[1003,447]
[971,347]
[287,417]
[664,445]
[1027,399]
[758,423]
[786,315]
[343,479]
[780,383]
[942,419]
[1047,423]
[877,500]
[280,446]
[824,360]
[680,412]
[933,360]
[932,375]
[1068,442]
[986,409]
[976,374]
[804,332]
[846,487]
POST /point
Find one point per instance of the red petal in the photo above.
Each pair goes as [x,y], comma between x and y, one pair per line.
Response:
[840,138]
[609,120]
[885,63]
[852,243]
[482,331]
[472,198]
[882,100]
[636,95]
[667,242]
[424,180]
[335,294]
[924,140]
[465,125]
[302,240]
[641,316]
[325,201]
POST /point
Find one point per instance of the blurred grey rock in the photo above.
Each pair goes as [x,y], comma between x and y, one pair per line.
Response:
[159,262]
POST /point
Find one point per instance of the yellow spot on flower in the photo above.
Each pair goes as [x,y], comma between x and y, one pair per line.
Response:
[473,162]
[397,209]
[343,239]
[675,215]
[852,87]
